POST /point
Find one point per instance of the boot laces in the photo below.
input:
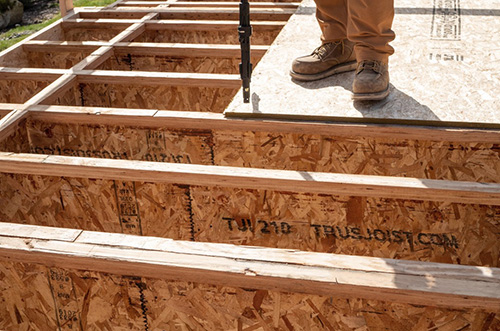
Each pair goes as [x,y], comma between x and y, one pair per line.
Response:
[324,50]
[369,65]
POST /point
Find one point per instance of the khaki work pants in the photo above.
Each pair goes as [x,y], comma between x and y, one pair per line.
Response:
[364,22]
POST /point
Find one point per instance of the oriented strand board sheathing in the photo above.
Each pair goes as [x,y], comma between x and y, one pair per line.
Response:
[176,146]
[42,298]
[56,60]
[19,91]
[148,209]
[205,37]
[127,62]
[476,162]
[151,97]
[17,142]
[416,230]
[85,34]
[73,96]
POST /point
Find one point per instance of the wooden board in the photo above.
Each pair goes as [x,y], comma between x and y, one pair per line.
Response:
[99,301]
[43,59]
[259,37]
[18,141]
[148,97]
[384,227]
[444,72]
[401,157]
[130,62]
[132,282]
[19,90]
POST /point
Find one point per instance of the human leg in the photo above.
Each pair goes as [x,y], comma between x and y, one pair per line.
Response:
[336,54]
[369,27]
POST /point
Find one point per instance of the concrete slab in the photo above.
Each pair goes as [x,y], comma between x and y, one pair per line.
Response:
[446,70]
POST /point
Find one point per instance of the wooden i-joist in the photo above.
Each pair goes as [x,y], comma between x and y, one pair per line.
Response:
[129,201]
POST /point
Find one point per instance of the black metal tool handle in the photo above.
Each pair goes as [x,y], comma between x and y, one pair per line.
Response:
[244,32]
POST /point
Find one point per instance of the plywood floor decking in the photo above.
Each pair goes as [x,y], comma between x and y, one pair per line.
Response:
[445,70]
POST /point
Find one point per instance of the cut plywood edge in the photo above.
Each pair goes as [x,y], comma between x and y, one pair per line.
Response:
[444,72]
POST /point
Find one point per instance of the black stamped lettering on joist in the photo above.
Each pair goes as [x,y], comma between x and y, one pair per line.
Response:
[191,146]
[259,225]
[343,233]
[128,207]
[384,235]
[67,308]
[446,21]
[79,152]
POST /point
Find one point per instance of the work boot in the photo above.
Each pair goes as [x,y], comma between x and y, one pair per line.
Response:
[371,81]
[326,60]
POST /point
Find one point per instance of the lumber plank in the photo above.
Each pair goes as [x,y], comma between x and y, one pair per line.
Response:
[282,180]
[158,78]
[53,91]
[201,4]
[432,284]
[103,53]
[6,108]
[100,23]
[208,25]
[35,35]
[38,232]
[65,6]
[203,120]
[186,50]
[9,123]
[37,74]
[276,14]
[143,48]
[62,46]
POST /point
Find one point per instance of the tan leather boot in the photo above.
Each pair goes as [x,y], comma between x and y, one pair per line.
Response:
[326,60]
[371,81]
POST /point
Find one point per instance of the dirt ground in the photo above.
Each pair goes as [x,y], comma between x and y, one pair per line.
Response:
[37,12]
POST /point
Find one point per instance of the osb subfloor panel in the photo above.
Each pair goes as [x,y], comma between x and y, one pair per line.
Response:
[415,230]
[445,69]
[35,297]
[148,97]
[305,152]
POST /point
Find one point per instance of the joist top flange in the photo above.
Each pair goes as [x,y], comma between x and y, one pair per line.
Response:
[279,180]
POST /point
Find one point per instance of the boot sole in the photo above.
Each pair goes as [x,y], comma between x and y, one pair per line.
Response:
[344,67]
[370,96]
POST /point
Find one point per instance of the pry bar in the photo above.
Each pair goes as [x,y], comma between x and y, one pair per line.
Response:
[244,32]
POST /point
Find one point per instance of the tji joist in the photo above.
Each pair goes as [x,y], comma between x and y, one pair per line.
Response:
[111,120]
[179,284]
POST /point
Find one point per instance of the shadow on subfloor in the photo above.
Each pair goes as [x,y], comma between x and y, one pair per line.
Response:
[398,106]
